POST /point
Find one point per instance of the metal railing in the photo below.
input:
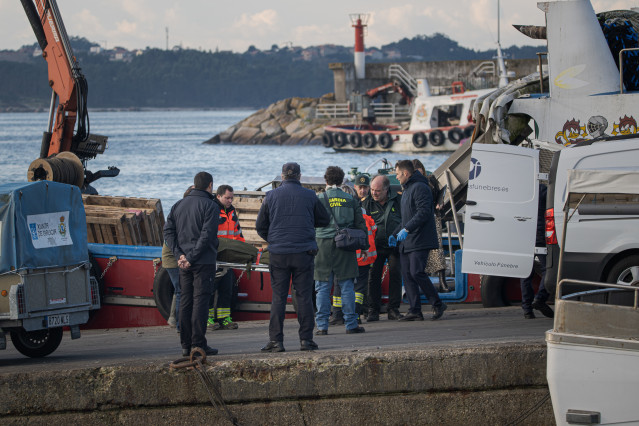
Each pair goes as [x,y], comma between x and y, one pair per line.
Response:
[333,110]
[384,110]
[391,111]
[396,71]
[608,286]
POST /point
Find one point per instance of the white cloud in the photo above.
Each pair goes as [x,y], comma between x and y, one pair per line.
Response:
[266,18]
[127,27]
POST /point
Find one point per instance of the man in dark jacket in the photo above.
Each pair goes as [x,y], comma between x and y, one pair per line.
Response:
[287,221]
[417,235]
[384,208]
[191,234]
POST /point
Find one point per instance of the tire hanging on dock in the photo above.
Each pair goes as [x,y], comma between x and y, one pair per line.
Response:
[468,131]
[385,140]
[327,139]
[436,138]
[419,140]
[369,140]
[340,139]
[455,135]
[355,139]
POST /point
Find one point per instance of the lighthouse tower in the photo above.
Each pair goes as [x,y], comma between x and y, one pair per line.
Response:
[359,21]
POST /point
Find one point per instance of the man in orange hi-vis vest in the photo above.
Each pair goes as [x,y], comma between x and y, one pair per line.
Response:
[362,184]
[229,227]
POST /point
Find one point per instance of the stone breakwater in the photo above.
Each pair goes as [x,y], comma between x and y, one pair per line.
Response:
[287,122]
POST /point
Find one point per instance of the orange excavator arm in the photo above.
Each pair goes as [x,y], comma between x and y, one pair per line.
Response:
[65,78]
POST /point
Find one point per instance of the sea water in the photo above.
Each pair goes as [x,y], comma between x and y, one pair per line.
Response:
[159,152]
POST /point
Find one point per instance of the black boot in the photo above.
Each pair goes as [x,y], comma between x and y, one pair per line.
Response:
[443,287]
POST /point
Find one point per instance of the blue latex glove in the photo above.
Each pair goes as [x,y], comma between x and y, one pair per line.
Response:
[401,236]
[392,241]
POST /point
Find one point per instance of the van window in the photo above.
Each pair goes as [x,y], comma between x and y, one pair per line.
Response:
[508,186]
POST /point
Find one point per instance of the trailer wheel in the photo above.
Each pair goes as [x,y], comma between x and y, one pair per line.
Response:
[163,292]
[625,271]
[36,344]
[493,291]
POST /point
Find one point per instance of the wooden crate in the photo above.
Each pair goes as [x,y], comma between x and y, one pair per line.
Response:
[247,205]
[124,220]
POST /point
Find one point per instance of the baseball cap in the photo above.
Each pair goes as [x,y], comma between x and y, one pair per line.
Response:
[291,169]
[362,180]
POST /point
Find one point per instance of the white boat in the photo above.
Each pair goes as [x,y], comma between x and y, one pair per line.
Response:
[593,348]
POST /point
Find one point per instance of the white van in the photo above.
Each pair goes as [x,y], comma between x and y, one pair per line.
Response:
[501,214]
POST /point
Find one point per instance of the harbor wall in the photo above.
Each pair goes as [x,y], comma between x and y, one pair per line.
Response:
[467,384]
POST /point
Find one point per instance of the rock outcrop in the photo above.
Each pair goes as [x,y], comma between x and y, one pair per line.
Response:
[287,122]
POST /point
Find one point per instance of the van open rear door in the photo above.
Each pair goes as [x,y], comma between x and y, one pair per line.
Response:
[501,211]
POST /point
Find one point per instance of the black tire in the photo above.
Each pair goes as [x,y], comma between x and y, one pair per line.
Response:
[163,292]
[36,344]
[493,291]
[385,140]
[340,139]
[625,271]
[369,140]
[436,138]
[468,131]
[327,139]
[455,135]
[355,139]
[419,140]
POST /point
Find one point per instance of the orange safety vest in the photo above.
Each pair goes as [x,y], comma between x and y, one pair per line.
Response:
[229,226]
[372,251]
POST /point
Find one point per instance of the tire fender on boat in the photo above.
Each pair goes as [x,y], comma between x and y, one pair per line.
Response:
[455,135]
[436,138]
[355,139]
[419,140]
[340,139]
[163,292]
[327,139]
[369,140]
[468,131]
[385,140]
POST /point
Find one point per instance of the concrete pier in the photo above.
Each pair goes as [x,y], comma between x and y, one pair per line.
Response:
[475,366]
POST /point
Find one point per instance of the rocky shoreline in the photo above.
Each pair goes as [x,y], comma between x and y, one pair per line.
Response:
[290,121]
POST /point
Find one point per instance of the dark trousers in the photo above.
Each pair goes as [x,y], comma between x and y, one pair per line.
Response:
[299,267]
[197,284]
[361,290]
[527,292]
[413,265]
[224,290]
[394,282]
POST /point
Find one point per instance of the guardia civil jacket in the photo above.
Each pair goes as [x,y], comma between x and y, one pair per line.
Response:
[329,258]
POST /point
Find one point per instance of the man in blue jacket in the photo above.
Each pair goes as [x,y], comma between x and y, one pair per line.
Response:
[417,236]
[191,234]
[287,221]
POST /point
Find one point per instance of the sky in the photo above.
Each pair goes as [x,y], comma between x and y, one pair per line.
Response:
[236,25]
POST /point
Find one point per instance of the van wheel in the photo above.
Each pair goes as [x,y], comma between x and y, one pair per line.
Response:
[493,291]
[163,292]
[36,344]
[625,271]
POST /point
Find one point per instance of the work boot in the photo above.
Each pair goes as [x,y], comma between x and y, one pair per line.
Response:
[372,316]
[211,323]
[225,323]
[308,345]
[443,286]
[438,311]
[337,317]
[529,315]
[393,315]
[412,317]
[355,330]
[542,307]
[273,346]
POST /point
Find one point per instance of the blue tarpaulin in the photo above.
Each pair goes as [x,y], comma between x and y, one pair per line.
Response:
[42,224]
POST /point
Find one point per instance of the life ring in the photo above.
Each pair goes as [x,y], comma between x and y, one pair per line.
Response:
[327,139]
[369,140]
[468,131]
[455,135]
[339,139]
[419,140]
[385,140]
[355,139]
[436,138]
